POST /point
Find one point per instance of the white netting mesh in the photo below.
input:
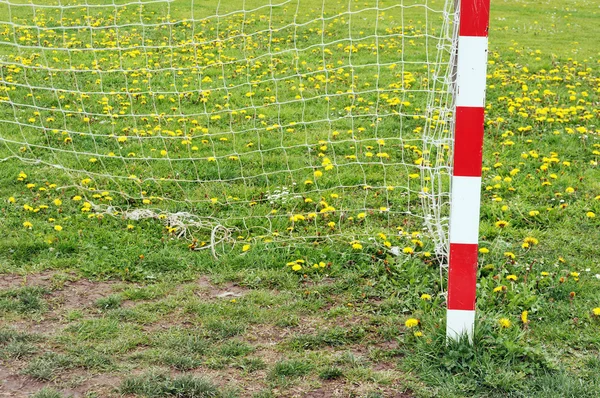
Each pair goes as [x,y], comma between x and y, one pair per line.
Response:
[280,119]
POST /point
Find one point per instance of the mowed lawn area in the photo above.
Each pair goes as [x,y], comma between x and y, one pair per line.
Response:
[277,278]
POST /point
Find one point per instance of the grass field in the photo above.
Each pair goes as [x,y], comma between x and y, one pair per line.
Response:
[96,303]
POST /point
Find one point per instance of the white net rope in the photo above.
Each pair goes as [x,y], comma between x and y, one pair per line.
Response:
[291,120]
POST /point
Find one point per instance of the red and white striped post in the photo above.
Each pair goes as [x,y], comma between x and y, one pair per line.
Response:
[466,178]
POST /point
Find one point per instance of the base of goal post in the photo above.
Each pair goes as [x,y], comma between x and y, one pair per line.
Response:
[460,323]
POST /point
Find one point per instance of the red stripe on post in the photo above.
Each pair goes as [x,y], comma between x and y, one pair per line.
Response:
[468,141]
[474,17]
[462,276]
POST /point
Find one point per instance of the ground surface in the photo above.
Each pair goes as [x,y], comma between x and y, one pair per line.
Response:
[106,306]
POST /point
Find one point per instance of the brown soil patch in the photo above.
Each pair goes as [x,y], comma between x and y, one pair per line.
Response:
[15,385]
[81,293]
[67,291]
[340,389]
[12,281]
[228,290]
[104,385]
[268,335]
[247,384]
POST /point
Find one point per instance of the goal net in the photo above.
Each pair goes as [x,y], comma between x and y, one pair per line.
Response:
[277,120]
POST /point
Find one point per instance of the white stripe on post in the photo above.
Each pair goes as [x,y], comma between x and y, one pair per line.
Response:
[464,210]
[459,323]
[471,71]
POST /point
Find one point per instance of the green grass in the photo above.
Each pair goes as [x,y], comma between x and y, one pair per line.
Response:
[291,368]
[16,345]
[165,318]
[157,385]
[26,300]
[48,393]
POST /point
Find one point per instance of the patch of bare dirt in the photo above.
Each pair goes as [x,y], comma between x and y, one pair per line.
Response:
[67,291]
[81,293]
[229,290]
[14,385]
[12,281]
[104,384]
[248,384]
[339,389]
[268,335]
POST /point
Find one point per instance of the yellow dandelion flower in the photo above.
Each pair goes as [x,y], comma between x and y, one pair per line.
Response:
[504,323]
[297,217]
[531,240]
[411,322]
[356,245]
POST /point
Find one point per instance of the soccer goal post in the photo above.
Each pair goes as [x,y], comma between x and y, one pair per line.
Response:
[268,124]
[471,64]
